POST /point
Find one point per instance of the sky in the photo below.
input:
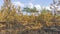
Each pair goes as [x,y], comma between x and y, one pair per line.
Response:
[40,2]
[37,3]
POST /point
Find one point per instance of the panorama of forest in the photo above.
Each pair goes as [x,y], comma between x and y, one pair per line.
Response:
[15,21]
